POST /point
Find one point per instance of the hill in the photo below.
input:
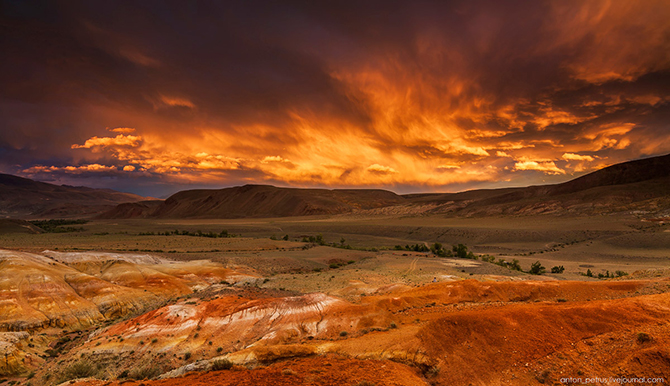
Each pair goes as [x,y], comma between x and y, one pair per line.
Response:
[25,198]
[259,201]
[635,185]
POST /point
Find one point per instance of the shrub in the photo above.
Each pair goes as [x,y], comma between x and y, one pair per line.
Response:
[461,251]
[643,337]
[147,372]
[514,265]
[536,268]
[154,340]
[589,273]
[81,369]
[222,364]
[557,269]
[343,333]
[187,356]
[219,349]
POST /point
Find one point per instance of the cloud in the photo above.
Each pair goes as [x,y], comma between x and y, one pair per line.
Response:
[380,169]
[274,158]
[82,169]
[123,130]
[176,101]
[548,167]
[577,157]
[119,140]
[451,94]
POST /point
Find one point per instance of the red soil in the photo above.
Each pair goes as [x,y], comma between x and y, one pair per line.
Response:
[313,371]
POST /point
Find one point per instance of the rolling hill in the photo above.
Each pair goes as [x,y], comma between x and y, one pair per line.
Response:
[25,198]
[635,185]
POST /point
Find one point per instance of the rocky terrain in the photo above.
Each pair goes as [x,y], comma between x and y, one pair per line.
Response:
[465,332]
[57,292]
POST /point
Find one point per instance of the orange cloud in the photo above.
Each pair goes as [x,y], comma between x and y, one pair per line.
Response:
[119,140]
[123,130]
[176,101]
[548,167]
[577,157]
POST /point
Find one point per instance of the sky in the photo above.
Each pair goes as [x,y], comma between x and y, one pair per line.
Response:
[153,97]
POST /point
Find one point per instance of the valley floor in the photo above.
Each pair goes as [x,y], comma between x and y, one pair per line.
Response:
[337,300]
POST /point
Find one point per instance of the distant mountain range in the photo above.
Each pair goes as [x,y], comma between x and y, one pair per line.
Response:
[25,198]
[642,185]
[635,185]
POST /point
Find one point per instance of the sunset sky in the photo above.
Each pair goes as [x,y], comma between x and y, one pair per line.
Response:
[156,97]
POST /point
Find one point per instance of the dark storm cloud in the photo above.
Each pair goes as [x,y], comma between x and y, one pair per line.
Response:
[442,94]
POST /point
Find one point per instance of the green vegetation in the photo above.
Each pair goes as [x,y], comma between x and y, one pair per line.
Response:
[223,234]
[643,337]
[58,226]
[81,369]
[557,269]
[146,372]
[536,268]
[222,364]
[461,251]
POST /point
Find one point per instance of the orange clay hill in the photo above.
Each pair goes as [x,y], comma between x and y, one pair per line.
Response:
[459,333]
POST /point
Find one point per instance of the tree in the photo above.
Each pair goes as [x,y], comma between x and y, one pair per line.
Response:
[461,251]
[589,273]
[514,265]
[536,268]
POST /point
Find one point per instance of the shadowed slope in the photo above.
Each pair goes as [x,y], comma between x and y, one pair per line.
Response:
[635,185]
[22,197]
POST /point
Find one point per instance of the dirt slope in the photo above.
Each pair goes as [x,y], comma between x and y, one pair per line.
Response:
[461,333]
[22,198]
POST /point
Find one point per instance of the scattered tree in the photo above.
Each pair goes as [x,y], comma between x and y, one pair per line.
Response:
[536,268]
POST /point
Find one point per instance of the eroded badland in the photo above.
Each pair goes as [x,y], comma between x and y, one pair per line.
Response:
[340,301]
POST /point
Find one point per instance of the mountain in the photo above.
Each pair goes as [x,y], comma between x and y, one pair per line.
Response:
[25,198]
[258,201]
[635,185]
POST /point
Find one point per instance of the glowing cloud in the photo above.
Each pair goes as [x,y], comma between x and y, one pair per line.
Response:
[548,167]
[577,157]
[119,140]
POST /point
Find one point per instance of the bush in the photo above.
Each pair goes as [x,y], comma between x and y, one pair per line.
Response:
[461,251]
[81,369]
[222,364]
[557,269]
[643,337]
[147,372]
[343,333]
[536,268]
[514,265]
[187,356]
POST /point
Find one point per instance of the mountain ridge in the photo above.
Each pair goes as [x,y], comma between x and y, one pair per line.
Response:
[25,198]
[625,186]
